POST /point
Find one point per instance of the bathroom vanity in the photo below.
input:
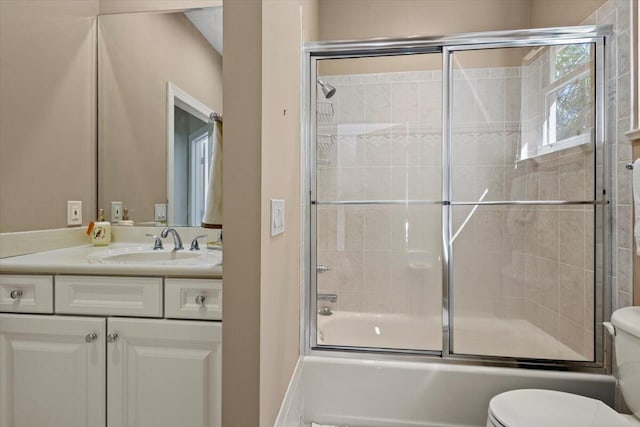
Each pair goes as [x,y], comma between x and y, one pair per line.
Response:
[86,342]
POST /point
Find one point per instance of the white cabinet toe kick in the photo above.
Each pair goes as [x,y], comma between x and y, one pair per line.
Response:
[105,351]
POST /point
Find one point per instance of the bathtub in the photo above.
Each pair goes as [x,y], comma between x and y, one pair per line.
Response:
[382,393]
[371,393]
[472,335]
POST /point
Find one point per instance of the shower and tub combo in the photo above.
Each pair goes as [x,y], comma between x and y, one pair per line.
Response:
[455,191]
[456,194]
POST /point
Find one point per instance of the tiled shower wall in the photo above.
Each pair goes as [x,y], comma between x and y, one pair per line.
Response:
[382,142]
[619,113]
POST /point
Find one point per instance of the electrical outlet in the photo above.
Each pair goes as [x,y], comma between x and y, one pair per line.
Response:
[277,217]
[116,211]
[160,212]
[74,212]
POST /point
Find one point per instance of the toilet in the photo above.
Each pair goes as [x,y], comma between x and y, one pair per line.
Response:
[548,408]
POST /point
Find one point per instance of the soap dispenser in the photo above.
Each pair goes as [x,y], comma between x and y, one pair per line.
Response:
[100,231]
[125,218]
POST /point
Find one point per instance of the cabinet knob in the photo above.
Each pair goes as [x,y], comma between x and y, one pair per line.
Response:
[91,337]
[200,299]
[112,337]
[16,294]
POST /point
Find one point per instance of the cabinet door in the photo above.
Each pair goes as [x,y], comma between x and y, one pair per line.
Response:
[52,371]
[163,373]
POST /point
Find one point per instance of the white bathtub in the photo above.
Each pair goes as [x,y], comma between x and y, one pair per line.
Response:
[472,335]
[373,393]
[332,390]
[344,328]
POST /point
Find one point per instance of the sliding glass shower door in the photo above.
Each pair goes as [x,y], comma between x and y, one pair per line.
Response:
[457,197]
[378,199]
[523,200]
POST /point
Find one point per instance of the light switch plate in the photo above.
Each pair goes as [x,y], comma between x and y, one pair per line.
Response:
[160,212]
[74,212]
[277,217]
[116,211]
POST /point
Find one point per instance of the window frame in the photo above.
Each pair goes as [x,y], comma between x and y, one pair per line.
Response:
[550,143]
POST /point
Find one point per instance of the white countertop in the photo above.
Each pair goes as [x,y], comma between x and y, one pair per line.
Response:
[85,260]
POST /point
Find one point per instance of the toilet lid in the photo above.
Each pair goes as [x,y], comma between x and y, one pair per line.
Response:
[535,408]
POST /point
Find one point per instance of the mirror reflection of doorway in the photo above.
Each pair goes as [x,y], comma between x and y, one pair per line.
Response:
[190,150]
[201,154]
[193,140]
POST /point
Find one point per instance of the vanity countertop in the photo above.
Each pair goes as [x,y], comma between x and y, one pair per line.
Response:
[94,260]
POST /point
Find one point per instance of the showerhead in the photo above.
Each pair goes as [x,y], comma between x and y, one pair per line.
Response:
[327,89]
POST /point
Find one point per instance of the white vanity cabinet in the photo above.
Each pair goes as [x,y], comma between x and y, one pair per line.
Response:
[52,371]
[96,370]
[163,373]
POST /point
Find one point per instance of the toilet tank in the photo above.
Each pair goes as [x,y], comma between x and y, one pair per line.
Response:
[627,341]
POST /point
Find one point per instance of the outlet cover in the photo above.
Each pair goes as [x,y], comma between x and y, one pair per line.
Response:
[277,217]
[74,212]
[116,211]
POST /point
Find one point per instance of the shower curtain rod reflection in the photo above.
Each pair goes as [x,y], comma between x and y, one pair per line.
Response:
[215,117]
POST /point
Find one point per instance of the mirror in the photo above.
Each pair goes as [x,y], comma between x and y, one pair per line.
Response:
[159,113]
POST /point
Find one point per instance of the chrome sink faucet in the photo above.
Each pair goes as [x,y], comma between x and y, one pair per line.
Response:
[177,241]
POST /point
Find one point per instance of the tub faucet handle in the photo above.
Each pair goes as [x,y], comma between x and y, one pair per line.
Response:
[328,297]
[322,268]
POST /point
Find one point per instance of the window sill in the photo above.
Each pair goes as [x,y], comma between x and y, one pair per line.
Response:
[583,141]
[633,135]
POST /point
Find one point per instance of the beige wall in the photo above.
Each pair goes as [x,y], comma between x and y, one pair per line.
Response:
[242,76]
[262,274]
[558,13]
[138,54]
[47,111]
[128,6]
[350,19]
[340,20]
[280,267]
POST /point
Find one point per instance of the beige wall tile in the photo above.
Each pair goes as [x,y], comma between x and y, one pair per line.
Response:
[549,275]
[549,321]
[572,293]
[571,335]
[571,238]
[377,235]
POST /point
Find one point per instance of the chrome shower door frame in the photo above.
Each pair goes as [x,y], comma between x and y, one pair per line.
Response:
[447,46]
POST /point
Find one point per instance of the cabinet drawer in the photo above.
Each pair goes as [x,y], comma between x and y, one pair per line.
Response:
[117,296]
[183,299]
[26,294]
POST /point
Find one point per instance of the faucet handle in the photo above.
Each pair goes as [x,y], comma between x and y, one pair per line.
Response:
[157,243]
[194,243]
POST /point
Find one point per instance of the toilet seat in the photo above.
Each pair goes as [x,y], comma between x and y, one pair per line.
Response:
[548,408]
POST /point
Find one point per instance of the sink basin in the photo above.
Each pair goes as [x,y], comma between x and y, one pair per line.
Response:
[144,255]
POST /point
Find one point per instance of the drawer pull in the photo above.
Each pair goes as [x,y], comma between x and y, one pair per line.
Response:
[112,337]
[16,294]
[89,338]
[200,299]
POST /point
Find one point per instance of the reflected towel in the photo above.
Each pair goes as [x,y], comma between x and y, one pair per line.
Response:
[636,202]
[213,203]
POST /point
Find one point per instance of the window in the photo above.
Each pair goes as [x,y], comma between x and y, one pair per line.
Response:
[569,97]
[560,87]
